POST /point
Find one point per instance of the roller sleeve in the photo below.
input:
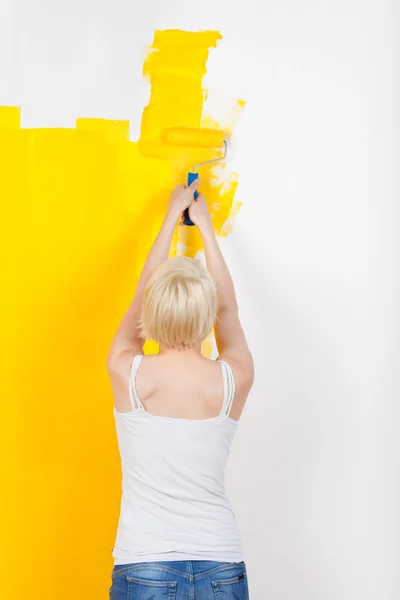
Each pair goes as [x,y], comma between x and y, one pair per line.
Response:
[204,138]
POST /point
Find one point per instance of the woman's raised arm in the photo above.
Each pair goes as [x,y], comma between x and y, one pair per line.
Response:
[127,338]
[230,338]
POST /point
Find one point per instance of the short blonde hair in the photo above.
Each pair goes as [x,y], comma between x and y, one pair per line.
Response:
[179,304]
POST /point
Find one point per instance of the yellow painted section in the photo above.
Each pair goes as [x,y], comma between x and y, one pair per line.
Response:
[80,210]
[10,117]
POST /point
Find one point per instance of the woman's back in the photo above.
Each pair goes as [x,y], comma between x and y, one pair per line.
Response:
[183,385]
[173,503]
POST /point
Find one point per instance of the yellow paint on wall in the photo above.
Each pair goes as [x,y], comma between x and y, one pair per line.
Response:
[80,210]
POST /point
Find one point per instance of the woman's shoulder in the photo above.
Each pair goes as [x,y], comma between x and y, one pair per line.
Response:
[242,367]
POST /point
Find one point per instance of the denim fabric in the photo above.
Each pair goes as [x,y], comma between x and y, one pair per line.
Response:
[180,580]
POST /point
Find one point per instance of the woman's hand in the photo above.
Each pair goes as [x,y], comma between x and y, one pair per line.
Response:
[199,213]
[181,198]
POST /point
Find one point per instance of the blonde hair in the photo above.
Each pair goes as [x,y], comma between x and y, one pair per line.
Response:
[179,304]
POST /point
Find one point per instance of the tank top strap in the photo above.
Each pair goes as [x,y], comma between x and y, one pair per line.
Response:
[229,387]
[133,395]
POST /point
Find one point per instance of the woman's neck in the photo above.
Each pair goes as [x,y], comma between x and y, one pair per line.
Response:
[181,352]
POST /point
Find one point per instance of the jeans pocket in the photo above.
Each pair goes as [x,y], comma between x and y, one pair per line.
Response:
[233,588]
[146,589]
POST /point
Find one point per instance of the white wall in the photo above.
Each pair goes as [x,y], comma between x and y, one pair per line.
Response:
[314,253]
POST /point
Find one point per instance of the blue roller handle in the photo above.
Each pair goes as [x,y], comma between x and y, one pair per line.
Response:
[191,178]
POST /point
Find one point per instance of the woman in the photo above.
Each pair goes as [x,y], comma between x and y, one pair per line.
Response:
[176,414]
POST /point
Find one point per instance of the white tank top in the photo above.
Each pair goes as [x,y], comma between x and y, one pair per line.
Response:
[173,504]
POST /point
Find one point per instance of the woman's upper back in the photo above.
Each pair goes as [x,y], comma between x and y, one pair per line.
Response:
[181,386]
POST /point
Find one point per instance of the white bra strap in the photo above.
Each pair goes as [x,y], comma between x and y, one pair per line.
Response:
[229,388]
[133,395]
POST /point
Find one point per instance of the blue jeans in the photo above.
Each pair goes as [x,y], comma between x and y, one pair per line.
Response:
[180,580]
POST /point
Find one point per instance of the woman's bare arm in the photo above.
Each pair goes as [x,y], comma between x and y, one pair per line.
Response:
[229,334]
[127,339]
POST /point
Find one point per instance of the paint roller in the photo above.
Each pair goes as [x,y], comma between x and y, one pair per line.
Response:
[196,138]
